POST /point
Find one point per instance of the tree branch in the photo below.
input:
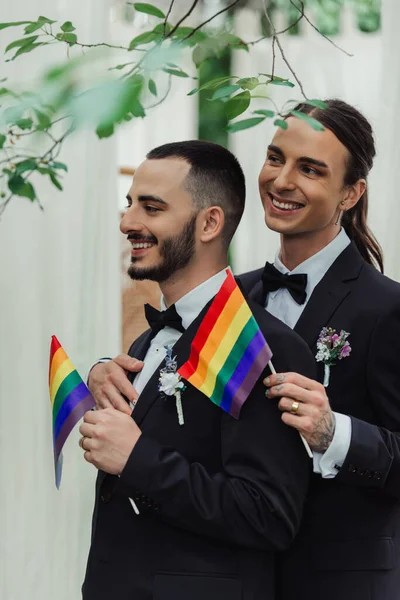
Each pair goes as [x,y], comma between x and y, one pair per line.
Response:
[275,39]
[303,14]
[191,9]
[210,19]
[167,15]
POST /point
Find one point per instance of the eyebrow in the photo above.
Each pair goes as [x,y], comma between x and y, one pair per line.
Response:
[147,198]
[302,159]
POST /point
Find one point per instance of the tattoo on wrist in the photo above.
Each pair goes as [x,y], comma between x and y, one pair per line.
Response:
[323,433]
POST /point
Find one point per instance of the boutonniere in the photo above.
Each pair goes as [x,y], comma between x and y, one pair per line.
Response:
[170,382]
[330,348]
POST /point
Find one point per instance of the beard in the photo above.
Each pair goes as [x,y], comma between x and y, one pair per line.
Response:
[175,254]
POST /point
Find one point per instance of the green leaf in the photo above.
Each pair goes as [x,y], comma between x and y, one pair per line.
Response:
[152,87]
[144,38]
[59,165]
[266,113]
[245,124]
[55,181]
[160,28]
[280,123]
[317,103]
[4,91]
[224,91]
[248,83]
[237,105]
[70,38]
[137,109]
[280,81]
[25,165]
[119,67]
[33,27]
[104,131]
[195,38]
[24,123]
[176,72]
[21,42]
[213,83]
[148,9]
[310,120]
[13,24]
[27,48]
[67,27]
[44,120]
[2,140]
[18,186]
[45,20]
[193,91]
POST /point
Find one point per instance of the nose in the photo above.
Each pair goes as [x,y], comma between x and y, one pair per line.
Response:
[284,180]
[130,223]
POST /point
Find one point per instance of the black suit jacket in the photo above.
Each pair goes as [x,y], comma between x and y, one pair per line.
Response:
[218,497]
[348,547]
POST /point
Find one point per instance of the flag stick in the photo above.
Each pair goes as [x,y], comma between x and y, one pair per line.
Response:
[306,446]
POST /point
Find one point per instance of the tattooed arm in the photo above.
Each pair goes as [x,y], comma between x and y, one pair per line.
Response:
[305,406]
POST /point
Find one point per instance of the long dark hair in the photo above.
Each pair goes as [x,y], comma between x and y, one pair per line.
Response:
[355,132]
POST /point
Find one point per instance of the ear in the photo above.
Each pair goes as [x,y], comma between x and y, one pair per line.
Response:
[211,224]
[353,193]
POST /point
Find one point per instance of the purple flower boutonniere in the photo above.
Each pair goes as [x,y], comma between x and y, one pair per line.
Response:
[170,384]
[330,348]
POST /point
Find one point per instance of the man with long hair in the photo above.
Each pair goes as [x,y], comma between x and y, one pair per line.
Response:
[325,285]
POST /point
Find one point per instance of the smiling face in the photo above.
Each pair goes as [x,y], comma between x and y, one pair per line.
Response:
[302,182]
[160,221]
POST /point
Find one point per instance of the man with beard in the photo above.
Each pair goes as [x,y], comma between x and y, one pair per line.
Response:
[194,507]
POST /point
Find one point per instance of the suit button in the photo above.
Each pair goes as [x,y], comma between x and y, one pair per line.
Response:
[352,469]
[361,472]
[370,474]
[377,475]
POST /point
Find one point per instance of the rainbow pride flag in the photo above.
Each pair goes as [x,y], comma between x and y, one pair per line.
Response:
[69,397]
[229,352]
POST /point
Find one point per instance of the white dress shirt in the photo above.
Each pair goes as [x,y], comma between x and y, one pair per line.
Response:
[188,307]
[281,304]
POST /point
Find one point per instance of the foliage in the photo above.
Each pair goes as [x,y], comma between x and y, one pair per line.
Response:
[69,95]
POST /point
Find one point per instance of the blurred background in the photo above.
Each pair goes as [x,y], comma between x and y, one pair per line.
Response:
[63,269]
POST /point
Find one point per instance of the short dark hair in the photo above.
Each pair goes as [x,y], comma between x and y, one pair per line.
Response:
[355,132]
[215,178]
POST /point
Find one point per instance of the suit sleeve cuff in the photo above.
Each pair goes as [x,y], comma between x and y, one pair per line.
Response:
[328,464]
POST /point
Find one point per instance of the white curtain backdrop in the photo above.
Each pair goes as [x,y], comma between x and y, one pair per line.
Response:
[59,275]
[324,72]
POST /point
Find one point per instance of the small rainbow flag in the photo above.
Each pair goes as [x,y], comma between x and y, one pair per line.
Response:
[69,397]
[229,352]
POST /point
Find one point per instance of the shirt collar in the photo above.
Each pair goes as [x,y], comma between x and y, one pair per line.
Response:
[190,306]
[317,265]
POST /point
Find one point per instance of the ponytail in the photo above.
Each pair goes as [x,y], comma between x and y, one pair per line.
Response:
[354,222]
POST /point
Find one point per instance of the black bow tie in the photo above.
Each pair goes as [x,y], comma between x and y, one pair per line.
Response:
[272,280]
[159,319]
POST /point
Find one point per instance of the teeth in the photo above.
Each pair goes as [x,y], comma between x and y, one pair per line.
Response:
[285,205]
[140,245]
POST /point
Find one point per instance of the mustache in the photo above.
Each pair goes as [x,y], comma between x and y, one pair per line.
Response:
[138,237]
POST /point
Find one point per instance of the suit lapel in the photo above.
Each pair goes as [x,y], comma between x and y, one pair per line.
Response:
[181,350]
[333,288]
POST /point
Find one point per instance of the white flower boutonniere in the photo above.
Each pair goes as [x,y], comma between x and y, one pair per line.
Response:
[330,348]
[170,382]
